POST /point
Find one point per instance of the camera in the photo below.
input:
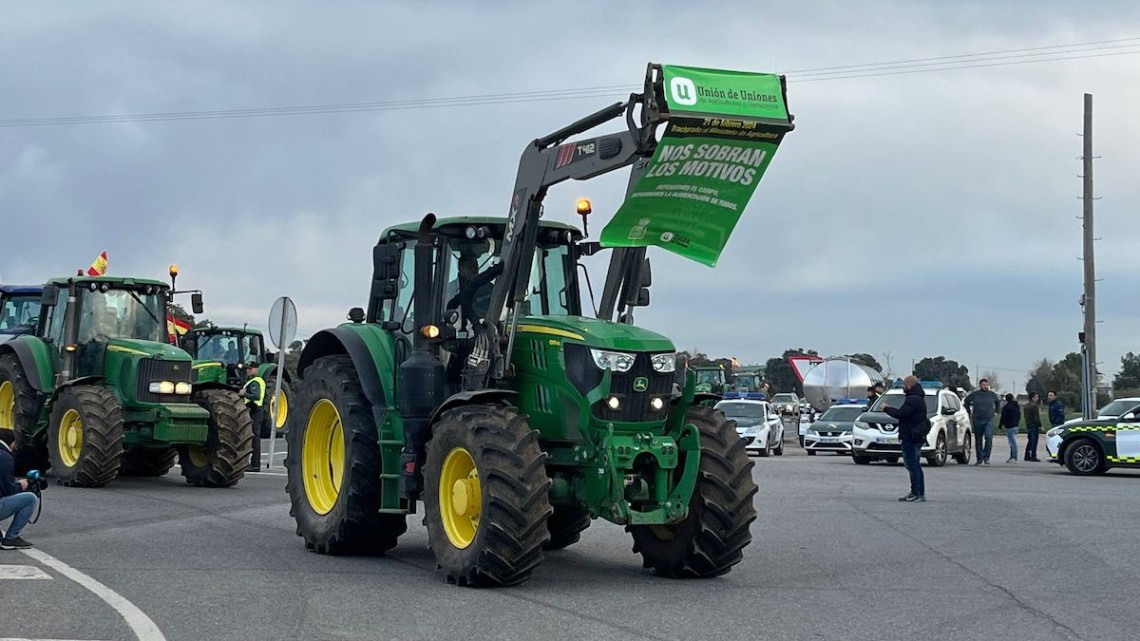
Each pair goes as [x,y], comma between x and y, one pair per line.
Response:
[37,482]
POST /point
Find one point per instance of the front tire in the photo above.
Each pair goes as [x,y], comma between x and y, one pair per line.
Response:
[223,459]
[486,496]
[18,413]
[861,460]
[565,526]
[938,459]
[333,465]
[713,536]
[85,436]
[1084,458]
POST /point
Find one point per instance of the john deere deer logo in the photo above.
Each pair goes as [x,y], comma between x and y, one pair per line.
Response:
[640,384]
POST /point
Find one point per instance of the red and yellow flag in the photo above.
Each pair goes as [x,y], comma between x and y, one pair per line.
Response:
[176,327]
[99,267]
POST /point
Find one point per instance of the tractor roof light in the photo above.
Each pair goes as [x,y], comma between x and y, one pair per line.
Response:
[429,331]
[173,270]
[584,207]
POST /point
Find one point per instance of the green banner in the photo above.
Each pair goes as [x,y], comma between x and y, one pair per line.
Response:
[704,170]
[724,93]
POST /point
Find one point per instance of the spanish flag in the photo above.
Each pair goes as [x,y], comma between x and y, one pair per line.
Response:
[99,267]
[176,327]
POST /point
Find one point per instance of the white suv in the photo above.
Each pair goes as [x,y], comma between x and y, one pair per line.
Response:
[875,436]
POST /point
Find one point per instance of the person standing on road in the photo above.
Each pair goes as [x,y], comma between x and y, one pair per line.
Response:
[983,404]
[1056,409]
[15,500]
[1011,420]
[913,428]
[1032,426]
[254,394]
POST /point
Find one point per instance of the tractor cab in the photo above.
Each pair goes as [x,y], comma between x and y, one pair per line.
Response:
[19,310]
[231,346]
[109,314]
[710,379]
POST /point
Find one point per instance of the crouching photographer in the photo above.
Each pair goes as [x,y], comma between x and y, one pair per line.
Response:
[19,499]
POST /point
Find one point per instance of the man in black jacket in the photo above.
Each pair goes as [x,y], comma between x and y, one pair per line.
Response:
[15,500]
[913,428]
[1011,420]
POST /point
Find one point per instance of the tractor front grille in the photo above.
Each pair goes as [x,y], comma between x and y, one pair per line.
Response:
[634,404]
[153,370]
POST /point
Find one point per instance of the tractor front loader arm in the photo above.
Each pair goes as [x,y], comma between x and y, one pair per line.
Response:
[545,162]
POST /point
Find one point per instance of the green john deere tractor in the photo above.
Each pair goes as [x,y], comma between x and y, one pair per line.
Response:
[221,354]
[96,391]
[710,379]
[475,383]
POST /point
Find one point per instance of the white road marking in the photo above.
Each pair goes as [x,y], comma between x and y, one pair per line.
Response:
[22,572]
[143,627]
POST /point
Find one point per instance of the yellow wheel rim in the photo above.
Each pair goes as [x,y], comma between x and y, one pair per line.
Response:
[460,497]
[7,406]
[69,439]
[281,406]
[322,456]
[198,456]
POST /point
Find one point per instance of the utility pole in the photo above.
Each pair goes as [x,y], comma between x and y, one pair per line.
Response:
[1088,300]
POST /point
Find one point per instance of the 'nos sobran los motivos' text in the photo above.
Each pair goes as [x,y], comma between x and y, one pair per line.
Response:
[723,162]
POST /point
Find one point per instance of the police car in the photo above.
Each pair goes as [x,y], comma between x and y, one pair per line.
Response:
[1092,447]
[832,432]
[875,435]
[757,423]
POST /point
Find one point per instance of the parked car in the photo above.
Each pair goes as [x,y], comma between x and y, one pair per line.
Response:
[875,435]
[832,431]
[758,424]
[1092,447]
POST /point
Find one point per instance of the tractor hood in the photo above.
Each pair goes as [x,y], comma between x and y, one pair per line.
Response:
[597,333]
[150,349]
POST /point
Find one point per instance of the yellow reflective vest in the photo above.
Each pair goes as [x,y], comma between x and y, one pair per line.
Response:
[255,395]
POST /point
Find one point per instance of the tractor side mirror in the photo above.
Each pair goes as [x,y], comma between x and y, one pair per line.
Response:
[642,297]
[196,303]
[50,296]
[385,271]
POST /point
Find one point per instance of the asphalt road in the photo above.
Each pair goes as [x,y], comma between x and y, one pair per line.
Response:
[1014,552]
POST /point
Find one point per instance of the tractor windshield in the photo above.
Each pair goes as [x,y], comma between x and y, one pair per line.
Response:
[230,348]
[19,312]
[121,313]
[709,376]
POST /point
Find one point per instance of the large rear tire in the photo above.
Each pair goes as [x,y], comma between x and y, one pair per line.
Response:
[486,496]
[223,459]
[565,526]
[334,465]
[18,414]
[713,536]
[85,436]
[145,461]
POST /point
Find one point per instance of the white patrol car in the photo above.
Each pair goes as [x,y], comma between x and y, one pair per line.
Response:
[875,435]
[757,423]
[832,431]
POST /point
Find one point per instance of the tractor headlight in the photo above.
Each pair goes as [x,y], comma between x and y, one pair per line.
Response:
[665,363]
[161,387]
[616,361]
[182,388]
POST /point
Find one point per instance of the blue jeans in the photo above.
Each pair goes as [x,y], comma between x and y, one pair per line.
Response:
[910,453]
[23,506]
[984,438]
[1011,434]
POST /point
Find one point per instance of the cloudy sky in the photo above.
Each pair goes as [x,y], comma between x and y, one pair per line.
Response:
[911,213]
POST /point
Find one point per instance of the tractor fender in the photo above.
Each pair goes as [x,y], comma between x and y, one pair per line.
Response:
[328,342]
[268,369]
[703,397]
[467,398]
[75,382]
[27,360]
